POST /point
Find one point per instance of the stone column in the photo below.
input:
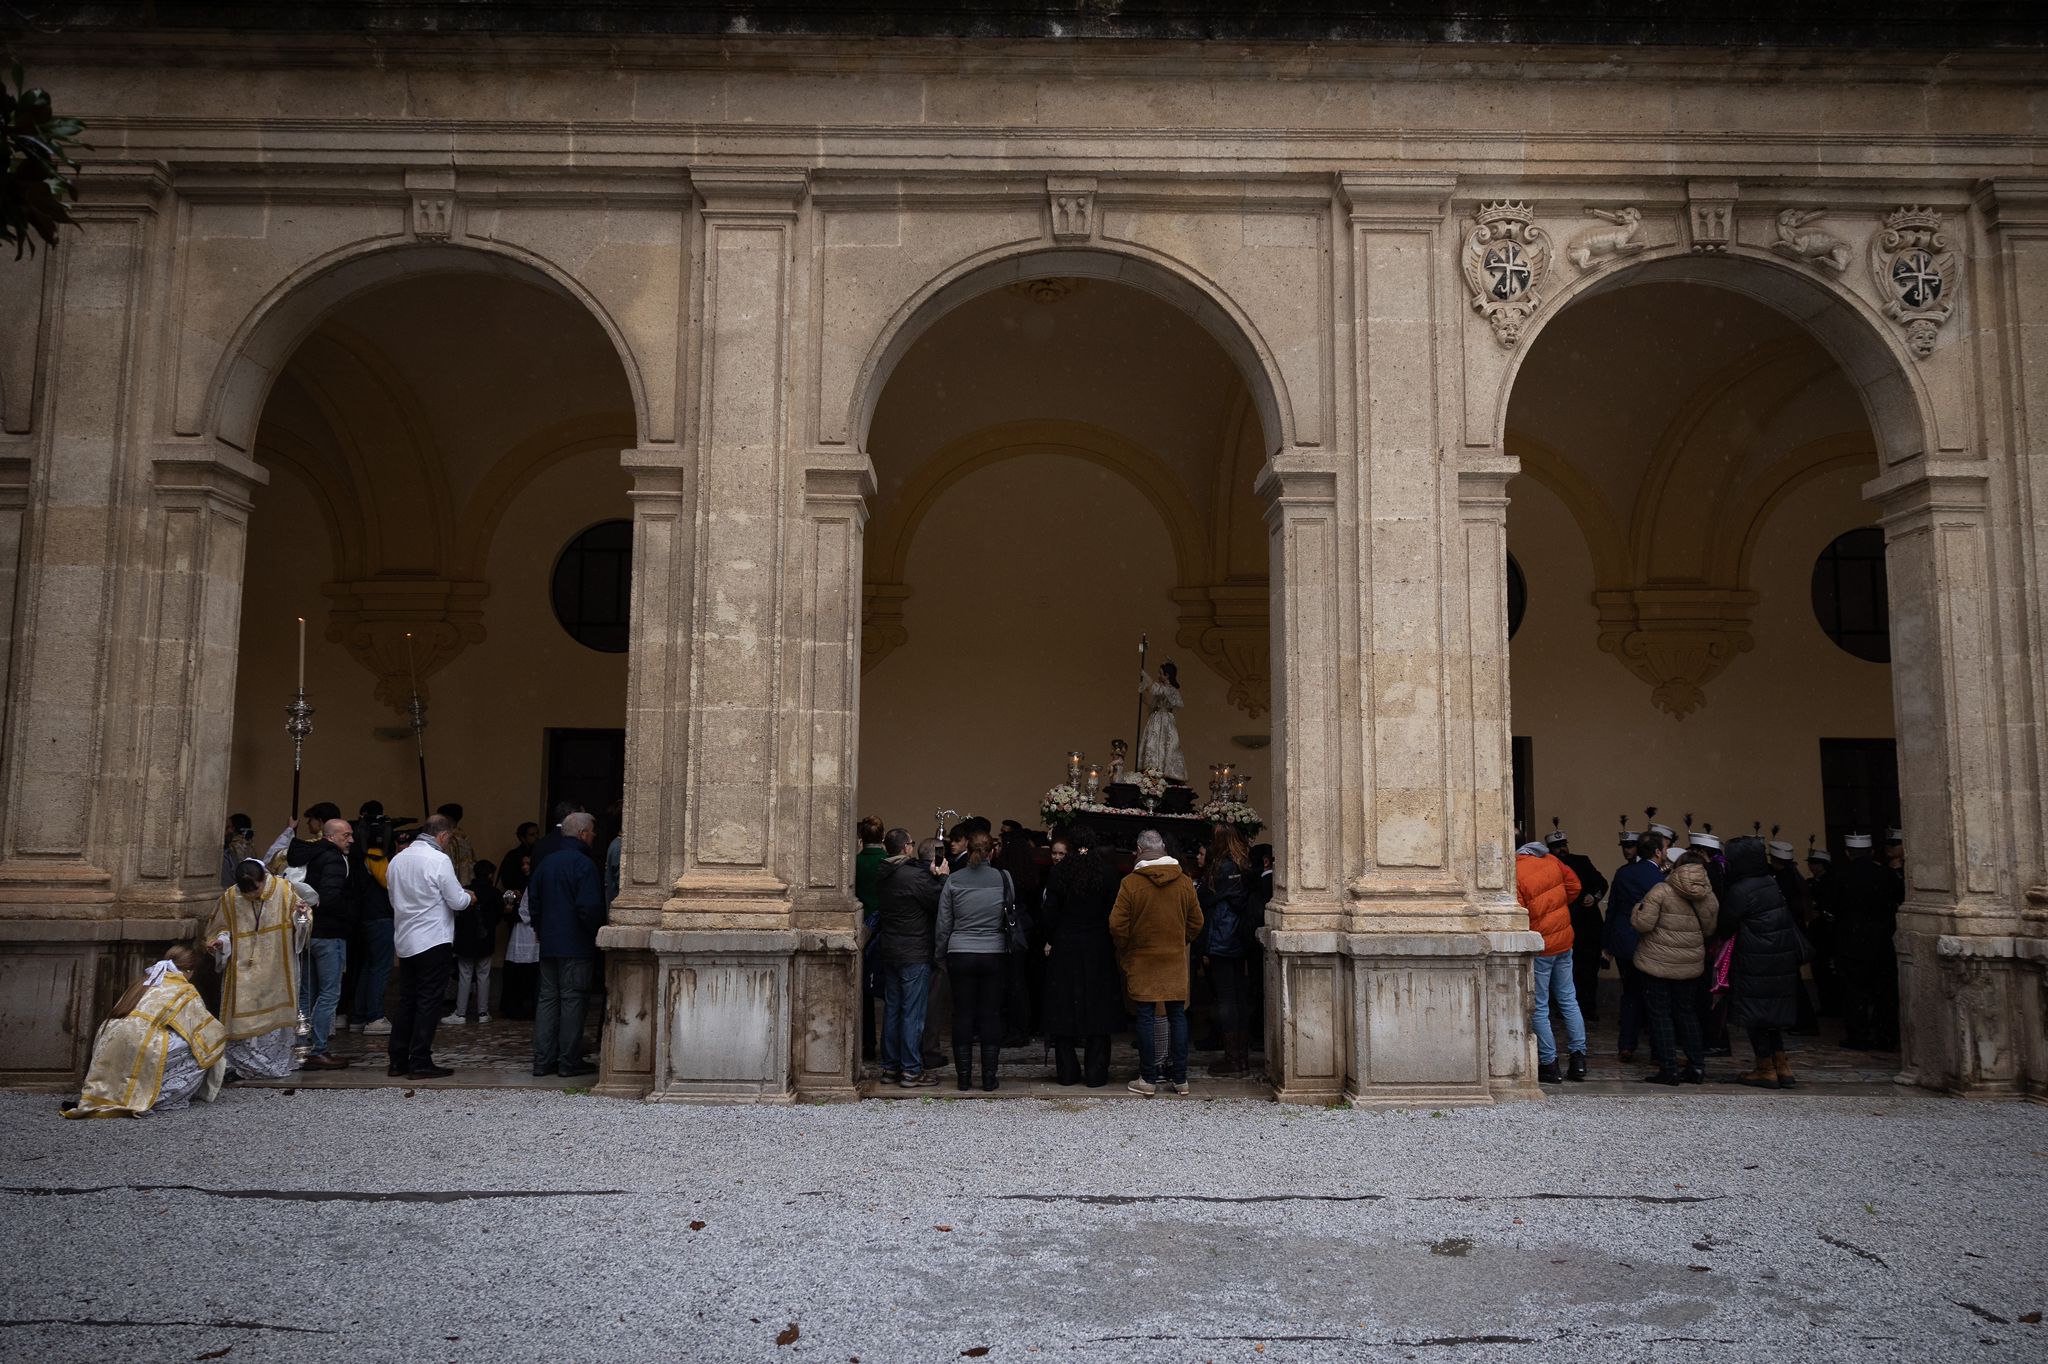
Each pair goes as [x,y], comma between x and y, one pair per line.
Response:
[65,791]
[737,940]
[1438,955]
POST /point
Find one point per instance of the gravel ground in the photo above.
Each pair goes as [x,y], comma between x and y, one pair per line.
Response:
[452,1225]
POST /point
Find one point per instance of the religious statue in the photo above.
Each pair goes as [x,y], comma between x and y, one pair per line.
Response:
[1159,743]
[1118,752]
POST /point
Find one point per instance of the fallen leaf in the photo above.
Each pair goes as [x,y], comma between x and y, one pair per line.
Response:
[2031,1318]
[221,1353]
[942,1226]
[407,1094]
[1518,1221]
[787,1335]
[974,1352]
[1259,1348]
[696,1226]
[1699,1269]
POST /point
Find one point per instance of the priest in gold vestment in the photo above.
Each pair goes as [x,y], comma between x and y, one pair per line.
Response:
[257,931]
[159,1051]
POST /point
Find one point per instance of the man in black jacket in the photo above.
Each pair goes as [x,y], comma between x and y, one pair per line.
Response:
[1866,903]
[907,895]
[328,874]
[1587,923]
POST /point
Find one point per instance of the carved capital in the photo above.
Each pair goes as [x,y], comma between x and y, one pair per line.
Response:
[371,618]
[881,622]
[1229,626]
[1676,639]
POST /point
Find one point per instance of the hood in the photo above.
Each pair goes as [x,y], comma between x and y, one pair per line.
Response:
[1161,873]
[1746,857]
[1690,880]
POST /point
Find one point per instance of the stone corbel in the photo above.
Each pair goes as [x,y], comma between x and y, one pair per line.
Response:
[371,618]
[433,207]
[1710,215]
[882,631]
[1676,639]
[1229,626]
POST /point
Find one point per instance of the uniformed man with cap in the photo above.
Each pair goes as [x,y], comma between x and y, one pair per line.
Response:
[1820,925]
[1866,901]
[1587,924]
[1791,885]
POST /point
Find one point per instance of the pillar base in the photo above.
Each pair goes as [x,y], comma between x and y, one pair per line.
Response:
[731,1015]
[1970,1013]
[58,978]
[1401,1019]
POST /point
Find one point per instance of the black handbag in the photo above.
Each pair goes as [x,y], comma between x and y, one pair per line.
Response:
[1015,937]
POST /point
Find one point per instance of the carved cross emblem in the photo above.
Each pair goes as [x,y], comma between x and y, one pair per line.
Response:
[1915,277]
[1507,273]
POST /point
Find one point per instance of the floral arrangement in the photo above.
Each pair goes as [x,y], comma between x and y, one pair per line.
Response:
[1151,783]
[1235,813]
[1058,805]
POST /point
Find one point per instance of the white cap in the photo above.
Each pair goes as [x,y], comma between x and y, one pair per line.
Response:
[1819,855]
[1663,831]
[1781,851]
[1895,836]
[1856,841]
[1629,835]
[1556,836]
[1706,840]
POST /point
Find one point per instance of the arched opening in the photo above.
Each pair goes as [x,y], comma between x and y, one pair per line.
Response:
[1694,437]
[1064,463]
[441,432]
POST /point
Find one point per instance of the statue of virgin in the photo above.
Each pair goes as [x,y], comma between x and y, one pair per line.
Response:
[1159,744]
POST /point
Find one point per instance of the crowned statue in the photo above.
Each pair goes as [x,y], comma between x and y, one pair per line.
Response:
[1159,741]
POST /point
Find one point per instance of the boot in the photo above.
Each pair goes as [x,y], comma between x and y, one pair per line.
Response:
[989,1053]
[1763,1076]
[1694,1075]
[1577,1069]
[1095,1050]
[1230,1067]
[1665,1075]
[963,1067]
[1066,1065]
[1784,1067]
[1548,1073]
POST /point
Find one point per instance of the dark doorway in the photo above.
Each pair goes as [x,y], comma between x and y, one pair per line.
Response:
[1524,759]
[587,766]
[1859,780]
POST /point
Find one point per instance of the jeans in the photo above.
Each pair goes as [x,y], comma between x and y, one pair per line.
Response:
[320,991]
[1670,1005]
[1176,1041]
[1555,977]
[905,992]
[375,977]
[564,1000]
[422,986]
[473,971]
[978,979]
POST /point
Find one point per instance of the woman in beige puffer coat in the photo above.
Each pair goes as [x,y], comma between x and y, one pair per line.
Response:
[1673,921]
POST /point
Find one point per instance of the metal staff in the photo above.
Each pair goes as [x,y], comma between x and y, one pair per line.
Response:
[417,709]
[1138,734]
[298,719]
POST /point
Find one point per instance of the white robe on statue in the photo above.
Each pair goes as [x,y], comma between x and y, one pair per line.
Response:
[1159,746]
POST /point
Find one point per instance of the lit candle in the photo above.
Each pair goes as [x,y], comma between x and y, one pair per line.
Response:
[302,653]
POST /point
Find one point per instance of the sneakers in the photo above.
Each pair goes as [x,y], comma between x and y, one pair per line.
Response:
[1180,1086]
[483,1018]
[1577,1069]
[892,1077]
[1143,1086]
[924,1079]
[377,1027]
[453,1021]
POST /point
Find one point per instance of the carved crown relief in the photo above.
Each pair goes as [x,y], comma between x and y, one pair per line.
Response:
[1915,274]
[1505,258]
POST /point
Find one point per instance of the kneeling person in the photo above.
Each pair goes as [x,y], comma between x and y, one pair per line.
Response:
[159,1051]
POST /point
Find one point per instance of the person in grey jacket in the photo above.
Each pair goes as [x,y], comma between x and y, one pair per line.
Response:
[973,943]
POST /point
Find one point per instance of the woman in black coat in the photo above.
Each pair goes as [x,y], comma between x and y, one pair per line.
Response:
[1763,978]
[1084,994]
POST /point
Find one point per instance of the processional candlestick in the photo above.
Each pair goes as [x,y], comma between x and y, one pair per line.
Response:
[298,719]
[941,818]
[417,710]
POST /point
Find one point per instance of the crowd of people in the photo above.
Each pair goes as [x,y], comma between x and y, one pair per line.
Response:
[1015,935]
[308,933]
[1707,938]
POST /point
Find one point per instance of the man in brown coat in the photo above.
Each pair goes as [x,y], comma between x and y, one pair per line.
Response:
[1155,918]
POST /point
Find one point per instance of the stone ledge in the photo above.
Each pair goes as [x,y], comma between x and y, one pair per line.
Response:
[56,931]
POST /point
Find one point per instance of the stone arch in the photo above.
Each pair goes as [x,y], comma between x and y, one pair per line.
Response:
[519,467]
[298,304]
[1884,374]
[1166,279]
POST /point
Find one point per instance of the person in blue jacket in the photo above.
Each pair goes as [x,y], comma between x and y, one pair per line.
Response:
[566,902]
[1630,885]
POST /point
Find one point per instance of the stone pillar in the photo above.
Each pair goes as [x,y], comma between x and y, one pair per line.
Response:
[1435,952]
[734,946]
[66,791]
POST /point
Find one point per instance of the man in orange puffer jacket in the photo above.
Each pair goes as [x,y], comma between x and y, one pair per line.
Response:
[1547,887]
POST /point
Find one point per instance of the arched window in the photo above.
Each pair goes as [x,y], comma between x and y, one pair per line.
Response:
[1518,596]
[1850,599]
[593,585]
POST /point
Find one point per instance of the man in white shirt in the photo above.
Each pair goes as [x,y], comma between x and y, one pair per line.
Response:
[425,898]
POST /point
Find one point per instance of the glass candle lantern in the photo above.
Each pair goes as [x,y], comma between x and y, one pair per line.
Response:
[1073,767]
[1094,789]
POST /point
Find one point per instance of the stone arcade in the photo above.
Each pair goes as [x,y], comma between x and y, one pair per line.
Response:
[750,235]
